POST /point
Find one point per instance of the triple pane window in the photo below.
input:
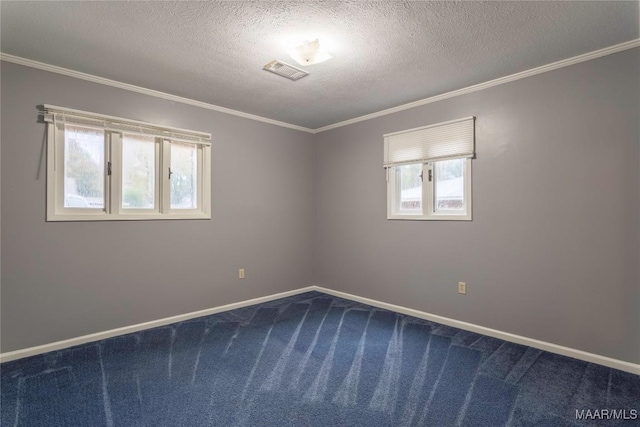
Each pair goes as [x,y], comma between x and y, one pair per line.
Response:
[96,173]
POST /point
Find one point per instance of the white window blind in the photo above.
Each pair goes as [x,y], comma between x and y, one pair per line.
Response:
[450,140]
[61,116]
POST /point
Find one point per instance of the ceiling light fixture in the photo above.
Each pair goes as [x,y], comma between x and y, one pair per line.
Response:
[309,53]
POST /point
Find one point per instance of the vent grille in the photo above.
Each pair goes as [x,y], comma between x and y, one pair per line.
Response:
[285,70]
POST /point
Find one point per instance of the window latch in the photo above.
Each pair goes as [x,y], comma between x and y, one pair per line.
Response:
[430,175]
[421,176]
[109,168]
[170,173]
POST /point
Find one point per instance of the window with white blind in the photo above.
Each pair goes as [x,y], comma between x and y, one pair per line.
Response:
[108,168]
[429,171]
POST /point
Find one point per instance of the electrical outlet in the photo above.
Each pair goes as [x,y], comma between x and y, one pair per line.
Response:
[462,288]
[241,273]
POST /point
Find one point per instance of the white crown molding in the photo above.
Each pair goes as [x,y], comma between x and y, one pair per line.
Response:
[470,89]
[506,336]
[132,88]
[491,83]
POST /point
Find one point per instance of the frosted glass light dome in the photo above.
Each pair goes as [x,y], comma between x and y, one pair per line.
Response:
[309,53]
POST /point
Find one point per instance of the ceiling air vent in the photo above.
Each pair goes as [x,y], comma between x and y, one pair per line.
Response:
[285,70]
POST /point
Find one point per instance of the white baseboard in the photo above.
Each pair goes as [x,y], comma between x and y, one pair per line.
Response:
[59,345]
[506,336]
[518,339]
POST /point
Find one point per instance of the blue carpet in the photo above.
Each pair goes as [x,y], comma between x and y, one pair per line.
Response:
[310,360]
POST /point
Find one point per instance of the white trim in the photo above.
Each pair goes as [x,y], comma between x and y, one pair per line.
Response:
[59,345]
[495,82]
[427,213]
[152,216]
[434,215]
[506,336]
[434,125]
[501,80]
[113,210]
[133,88]
[122,125]
[634,368]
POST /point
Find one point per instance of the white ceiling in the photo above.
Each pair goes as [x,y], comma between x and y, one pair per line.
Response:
[384,53]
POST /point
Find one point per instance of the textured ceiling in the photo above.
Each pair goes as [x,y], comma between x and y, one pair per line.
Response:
[384,53]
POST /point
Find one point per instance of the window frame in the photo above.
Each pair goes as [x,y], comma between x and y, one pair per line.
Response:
[116,155]
[428,196]
[200,171]
[113,210]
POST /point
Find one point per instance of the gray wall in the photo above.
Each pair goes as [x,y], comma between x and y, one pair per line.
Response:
[552,251]
[62,280]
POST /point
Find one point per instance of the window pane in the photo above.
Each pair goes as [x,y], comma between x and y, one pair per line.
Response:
[184,176]
[138,172]
[84,166]
[449,185]
[410,180]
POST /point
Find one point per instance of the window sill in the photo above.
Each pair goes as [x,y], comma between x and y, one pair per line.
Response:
[105,217]
[430,218]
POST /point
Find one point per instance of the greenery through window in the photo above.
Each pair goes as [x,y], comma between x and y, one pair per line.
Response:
[101,174]
[84,168]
